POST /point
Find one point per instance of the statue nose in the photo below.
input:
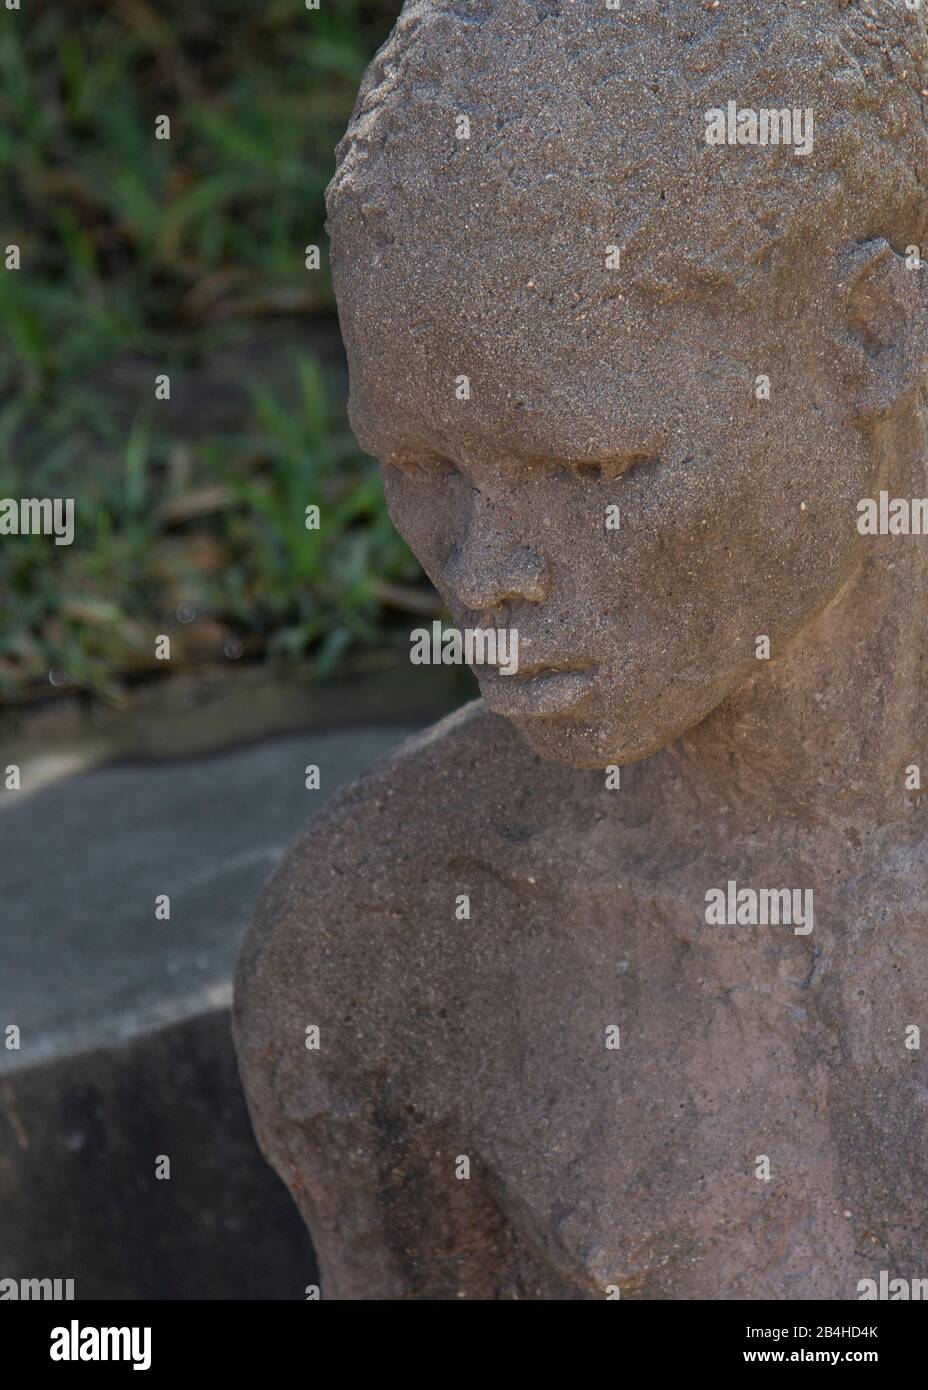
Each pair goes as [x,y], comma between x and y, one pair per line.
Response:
[484,581]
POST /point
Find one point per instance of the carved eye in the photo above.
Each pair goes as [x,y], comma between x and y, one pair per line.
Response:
[639,462]
[590,472]
[614,468]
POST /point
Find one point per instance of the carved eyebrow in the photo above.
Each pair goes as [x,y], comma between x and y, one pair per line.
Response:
[410,462]
[423,467]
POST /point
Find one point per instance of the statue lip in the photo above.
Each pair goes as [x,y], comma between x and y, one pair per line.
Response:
[535,691]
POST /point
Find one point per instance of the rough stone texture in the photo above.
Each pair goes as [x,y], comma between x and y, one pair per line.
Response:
[486,1038]
[637,647]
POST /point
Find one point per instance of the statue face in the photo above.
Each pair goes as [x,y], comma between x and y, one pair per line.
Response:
[736,515]
[638,380]
[515,386]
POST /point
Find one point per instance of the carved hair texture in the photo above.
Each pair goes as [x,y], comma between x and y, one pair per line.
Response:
[588,128]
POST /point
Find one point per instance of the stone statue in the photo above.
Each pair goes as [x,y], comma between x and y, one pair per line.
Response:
[620,974]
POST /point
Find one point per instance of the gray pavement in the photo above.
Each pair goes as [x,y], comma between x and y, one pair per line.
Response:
[83,960]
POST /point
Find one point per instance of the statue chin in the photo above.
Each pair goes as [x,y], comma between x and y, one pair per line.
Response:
[615,738]
[584,745]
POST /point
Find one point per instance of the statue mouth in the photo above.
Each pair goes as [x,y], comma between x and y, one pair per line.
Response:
[535,691]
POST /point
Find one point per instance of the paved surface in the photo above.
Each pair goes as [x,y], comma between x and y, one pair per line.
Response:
[83,961]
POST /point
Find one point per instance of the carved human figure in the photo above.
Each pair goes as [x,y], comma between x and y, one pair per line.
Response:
[628,386]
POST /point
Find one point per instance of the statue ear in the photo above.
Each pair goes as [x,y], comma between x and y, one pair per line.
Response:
[886,298]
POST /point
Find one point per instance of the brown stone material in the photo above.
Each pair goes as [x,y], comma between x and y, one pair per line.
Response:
[651,1100]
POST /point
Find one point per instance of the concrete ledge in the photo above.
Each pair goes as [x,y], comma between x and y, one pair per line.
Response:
[122,1019]
[79,1199]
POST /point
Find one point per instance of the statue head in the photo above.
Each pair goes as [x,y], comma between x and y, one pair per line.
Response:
[631,299]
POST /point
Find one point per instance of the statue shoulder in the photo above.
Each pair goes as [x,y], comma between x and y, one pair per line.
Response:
[349,870]
[382,822]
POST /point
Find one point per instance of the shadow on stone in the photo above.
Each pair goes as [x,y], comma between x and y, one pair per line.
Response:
[79,1143]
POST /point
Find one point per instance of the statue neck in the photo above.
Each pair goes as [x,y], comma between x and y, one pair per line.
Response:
[824,733]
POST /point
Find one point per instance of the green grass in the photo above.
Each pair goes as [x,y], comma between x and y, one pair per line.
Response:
[142,257]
